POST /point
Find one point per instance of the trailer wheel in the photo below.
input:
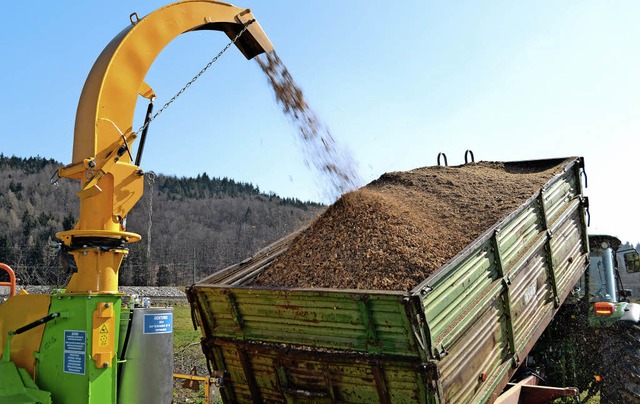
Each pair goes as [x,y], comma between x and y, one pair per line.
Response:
[621,367]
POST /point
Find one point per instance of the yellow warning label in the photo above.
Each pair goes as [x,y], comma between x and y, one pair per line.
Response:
[103,335]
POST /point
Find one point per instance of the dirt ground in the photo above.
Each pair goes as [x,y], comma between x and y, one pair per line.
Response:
[394,232]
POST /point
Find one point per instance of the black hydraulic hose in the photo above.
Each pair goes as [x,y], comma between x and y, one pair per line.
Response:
[36,323]
[143,137]
[125,345]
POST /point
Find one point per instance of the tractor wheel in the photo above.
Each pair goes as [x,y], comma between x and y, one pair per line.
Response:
[621,367]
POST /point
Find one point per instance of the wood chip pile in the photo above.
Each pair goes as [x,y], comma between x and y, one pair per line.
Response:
[396,231]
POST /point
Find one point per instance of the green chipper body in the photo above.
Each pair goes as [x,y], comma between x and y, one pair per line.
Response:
[457,337]
[70,362]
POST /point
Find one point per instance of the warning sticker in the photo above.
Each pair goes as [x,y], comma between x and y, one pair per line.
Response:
[161,323]
[75,341]
[75,348]
[104,329]
[74,363]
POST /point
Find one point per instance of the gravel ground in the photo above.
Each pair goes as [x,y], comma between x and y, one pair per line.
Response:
[157,292]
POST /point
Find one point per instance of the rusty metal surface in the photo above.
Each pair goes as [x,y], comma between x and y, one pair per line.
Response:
[486,308]
[364,321]
[527,391]
[482,348]
[293,374]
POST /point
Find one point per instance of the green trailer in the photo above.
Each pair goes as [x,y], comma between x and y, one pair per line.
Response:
[457,337]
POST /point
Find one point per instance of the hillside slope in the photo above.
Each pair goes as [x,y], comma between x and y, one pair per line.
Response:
[203,223]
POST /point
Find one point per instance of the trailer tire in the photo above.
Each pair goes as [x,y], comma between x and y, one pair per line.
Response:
[621,367]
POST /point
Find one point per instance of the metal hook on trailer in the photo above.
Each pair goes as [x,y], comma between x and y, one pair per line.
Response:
[134,14]
[468,154]
[441,154]
[585,202]
[583,172]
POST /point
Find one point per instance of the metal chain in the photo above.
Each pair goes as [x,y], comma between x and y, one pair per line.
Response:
[55,177]
[196,77]
[152,178]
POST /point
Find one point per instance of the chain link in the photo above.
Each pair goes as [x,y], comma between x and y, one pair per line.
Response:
[55,177]
[196,77]
[152,179]
[151,175]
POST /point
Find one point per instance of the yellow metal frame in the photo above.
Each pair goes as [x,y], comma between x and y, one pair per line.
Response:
[103,334]
[111,183]
[208,381]
[16,312]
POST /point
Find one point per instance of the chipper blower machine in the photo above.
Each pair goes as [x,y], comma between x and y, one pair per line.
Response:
[84,343]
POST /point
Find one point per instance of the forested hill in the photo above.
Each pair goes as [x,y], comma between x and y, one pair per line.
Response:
[202,224]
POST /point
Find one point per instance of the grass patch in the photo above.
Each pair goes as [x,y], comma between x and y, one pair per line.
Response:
[183,332]
[187,355]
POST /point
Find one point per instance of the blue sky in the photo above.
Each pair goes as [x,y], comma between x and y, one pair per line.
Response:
[396,83]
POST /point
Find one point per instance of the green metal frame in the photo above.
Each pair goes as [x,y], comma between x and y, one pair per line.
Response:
[16,386]
[96,385]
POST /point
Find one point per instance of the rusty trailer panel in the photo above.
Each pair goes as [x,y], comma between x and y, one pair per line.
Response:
[457,337]
[359,321]
[272,373]
[488,306]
